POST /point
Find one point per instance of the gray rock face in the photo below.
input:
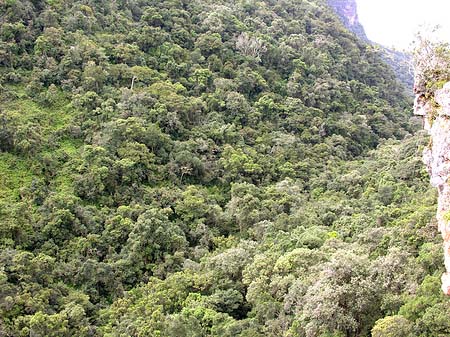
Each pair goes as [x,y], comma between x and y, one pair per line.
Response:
[437,159]
[347,11]
[442,98]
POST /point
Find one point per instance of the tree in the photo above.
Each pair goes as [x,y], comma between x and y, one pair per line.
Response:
[250,46]
[344,299]
[153,236]
[431,61]
[392,326]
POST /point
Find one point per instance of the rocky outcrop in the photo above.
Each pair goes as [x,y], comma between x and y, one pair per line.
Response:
[347,11]
[436,116]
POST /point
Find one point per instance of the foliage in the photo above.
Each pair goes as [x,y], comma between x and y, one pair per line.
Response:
[207,168]
[431,65]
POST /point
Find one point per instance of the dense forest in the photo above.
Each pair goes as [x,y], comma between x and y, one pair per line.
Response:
[208,168]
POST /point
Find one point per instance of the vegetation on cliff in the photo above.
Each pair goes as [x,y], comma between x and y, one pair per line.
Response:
[431,65]
[208,168]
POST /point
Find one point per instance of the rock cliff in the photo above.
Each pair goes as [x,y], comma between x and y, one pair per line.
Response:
[436,117]
[348,13]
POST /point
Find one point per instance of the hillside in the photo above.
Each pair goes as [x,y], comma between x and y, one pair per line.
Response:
[399,61]
[208,168]
[347,10]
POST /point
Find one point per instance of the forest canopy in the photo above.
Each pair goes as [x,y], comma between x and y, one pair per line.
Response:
[208,168]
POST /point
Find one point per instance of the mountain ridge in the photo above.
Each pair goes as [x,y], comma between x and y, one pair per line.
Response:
[399,61]
[347,10]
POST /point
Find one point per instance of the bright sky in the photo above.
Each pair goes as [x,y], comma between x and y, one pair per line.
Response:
[395,22]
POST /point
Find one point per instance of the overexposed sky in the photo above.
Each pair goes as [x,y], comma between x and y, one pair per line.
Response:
[395,22]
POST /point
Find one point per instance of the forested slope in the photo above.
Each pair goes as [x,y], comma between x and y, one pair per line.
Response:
[208,168]
[400,61]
